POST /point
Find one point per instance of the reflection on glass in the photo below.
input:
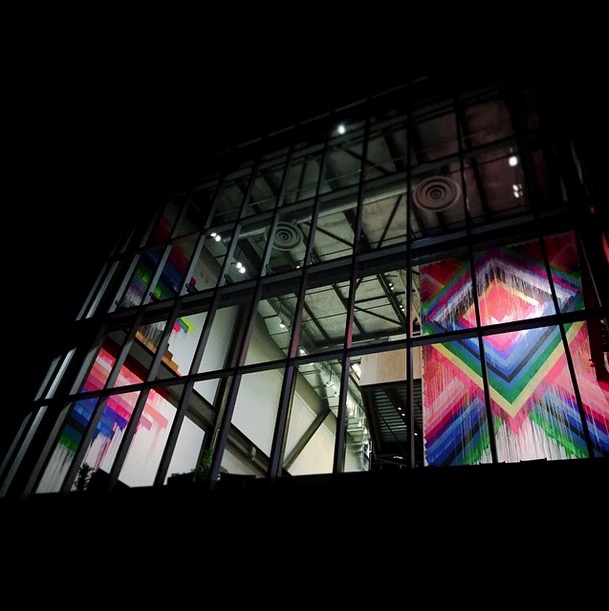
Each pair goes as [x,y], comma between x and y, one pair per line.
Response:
[384,216]
[145,451]
[566,272]
[253,422]
[188,446]
[446,295]
[383,381]
[138,361]
[495,184]
[512,284]
[379,309]
[386,153]
[141,278]
[289,242]
[264,191]
[161,232]
[249,251]
[230,200]
[454,414]
[272,329]
[104,362]
[104,442]
[324,319]
[302,176]
[199,206]
[69,441]
[109,433]
[589,347]
[182,344]
[439,203]
[311,434]
[203,406]
[486,120]
[223,333]
[334,232]
[434,138]
[357,436]
[209,261]
[172,278]
[548,188]
[533,401]
[343,165]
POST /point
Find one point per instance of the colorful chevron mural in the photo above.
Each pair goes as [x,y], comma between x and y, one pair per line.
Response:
[534,407]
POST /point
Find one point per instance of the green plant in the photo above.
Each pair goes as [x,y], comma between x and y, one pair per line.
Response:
[201,471]
[83,477]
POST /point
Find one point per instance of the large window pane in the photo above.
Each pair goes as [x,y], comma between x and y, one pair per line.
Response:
[272,329]
[139,283]
[199,208]
[249,250]
[137,363]
[312,426]
[512,283]
[357,434]
[265,190]
[384,216]
[534,405]
[386,152]
[161,232]
[343,164]
[302,176]
[566,271]
[446,295]
[231,199]
[454,413]
[210,257]
[334,231]
[324,318]
[384,386]
[183,342]
[220,344]
[591,362]
[148,442]
[253,422]
[379,309]
[173,275]
[495,185]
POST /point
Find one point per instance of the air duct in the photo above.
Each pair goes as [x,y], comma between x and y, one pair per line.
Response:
[436,193]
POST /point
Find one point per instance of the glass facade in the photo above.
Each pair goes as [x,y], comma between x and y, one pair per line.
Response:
[411,290]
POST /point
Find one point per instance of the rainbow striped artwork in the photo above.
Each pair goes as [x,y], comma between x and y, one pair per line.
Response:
[153,423]
[533,403]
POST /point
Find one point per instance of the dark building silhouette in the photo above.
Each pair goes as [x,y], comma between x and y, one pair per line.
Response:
[395,308]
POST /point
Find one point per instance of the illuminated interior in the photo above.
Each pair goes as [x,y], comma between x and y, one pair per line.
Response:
[408,291]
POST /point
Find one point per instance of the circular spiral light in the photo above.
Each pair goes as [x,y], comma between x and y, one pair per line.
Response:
[436,193]
[287,236]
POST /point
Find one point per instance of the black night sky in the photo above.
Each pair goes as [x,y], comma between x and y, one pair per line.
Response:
[86,151]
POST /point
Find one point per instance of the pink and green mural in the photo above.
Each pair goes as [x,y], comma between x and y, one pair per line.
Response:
[152,428]
[533,400]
